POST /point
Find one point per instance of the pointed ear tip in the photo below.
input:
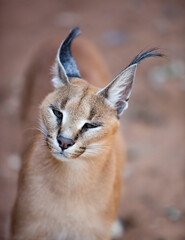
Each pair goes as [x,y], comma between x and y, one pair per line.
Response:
[133,66]
[131,69]
[77,30]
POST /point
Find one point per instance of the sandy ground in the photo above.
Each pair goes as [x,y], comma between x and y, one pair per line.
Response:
[153,204]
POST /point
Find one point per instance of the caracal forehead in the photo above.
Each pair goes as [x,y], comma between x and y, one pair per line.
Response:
[80,101]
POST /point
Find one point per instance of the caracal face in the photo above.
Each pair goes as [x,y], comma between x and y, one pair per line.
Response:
[78,113]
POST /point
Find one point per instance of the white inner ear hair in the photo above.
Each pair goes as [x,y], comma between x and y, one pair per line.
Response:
[120,89]
[60,78]
[57,83]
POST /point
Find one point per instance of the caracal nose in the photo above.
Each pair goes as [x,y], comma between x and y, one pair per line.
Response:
[64,142]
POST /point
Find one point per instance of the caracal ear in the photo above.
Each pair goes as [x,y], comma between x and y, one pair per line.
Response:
[117,92]
[65,65]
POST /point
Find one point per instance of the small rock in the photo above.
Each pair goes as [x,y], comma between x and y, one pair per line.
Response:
[172,213]
[159,75]
[114,37]
[14,162]
[117,229]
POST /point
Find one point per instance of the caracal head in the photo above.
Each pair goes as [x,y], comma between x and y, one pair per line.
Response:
[79,120]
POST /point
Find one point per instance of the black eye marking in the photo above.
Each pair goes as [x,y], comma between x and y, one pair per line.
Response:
[58,114]
[88,126]
[76,137]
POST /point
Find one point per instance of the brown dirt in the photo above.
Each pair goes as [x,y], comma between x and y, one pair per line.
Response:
[153,205]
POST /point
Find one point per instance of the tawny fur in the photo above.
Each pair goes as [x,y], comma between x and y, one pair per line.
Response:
[75,200]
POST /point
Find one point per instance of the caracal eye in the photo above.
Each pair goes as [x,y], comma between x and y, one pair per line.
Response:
[87,126]
[58,114]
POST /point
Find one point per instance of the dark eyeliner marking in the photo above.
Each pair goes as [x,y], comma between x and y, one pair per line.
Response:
[76,137]
[52,106]
[83,148]
[63,102]
[83,95]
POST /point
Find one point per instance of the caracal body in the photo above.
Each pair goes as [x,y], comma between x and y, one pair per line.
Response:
[70,182]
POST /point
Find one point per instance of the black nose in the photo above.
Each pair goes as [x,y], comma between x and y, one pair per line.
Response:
[64,142]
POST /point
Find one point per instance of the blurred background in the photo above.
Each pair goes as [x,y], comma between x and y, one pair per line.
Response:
[153,203]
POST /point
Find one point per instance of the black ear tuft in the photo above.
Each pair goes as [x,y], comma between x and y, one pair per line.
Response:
[73,34]
[118,91]
[65,56]
[142,55]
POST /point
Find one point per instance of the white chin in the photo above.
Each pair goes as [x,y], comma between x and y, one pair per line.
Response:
[60,157]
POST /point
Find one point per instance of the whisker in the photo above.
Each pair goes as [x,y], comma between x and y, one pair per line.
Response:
[98,147]
[42,130]
[91,152]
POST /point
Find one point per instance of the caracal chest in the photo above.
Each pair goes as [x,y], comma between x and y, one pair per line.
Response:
[75,218]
